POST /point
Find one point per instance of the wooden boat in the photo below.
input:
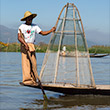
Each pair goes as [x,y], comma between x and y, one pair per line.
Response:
[98,55]
[91,55]
[72,90]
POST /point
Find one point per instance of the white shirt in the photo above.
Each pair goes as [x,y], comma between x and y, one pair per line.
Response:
[64,48]
[29,32]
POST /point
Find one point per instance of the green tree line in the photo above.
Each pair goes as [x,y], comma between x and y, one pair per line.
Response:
[15,47]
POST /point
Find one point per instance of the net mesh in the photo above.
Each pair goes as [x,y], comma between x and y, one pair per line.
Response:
[67,58]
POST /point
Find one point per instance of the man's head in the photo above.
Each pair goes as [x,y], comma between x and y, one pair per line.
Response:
[29,20]
[28,16]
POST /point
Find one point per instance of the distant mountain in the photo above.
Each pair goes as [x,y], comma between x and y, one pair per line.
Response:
[7,34]
[10,35]
[90,43]
[98,37]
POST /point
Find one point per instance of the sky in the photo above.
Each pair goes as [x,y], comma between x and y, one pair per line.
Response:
[95,14]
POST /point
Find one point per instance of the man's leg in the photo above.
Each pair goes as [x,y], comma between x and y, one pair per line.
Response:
[27,79]
[34,67]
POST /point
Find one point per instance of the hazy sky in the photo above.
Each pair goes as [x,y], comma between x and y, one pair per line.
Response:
[95,14]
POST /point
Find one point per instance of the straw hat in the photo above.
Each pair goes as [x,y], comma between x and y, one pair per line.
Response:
[27,14]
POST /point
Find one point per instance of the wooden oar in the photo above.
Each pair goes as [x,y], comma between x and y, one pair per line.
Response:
[34,70]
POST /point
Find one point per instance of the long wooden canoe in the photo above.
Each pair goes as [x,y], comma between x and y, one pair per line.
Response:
[91,55]
[98,55]
[72,90]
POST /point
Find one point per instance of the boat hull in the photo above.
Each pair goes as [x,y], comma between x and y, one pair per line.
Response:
[73,91]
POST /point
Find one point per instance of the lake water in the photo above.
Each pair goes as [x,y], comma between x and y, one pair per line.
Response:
[16,97]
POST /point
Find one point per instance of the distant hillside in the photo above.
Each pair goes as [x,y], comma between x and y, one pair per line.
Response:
[7,34]
[10,35]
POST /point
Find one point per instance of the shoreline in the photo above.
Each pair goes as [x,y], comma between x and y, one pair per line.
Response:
[42,47]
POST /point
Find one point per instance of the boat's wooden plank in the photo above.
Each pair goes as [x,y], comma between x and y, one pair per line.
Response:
[104,87]
[67,86]
[100,89]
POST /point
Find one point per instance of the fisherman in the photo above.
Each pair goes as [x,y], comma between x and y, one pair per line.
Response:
[64,51]
[29,30]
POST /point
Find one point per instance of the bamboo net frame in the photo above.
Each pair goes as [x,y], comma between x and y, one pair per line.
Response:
[52,69]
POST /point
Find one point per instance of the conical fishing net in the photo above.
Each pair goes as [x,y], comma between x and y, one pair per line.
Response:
[67,58]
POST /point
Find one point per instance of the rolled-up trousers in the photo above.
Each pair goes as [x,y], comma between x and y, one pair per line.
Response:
[29,76]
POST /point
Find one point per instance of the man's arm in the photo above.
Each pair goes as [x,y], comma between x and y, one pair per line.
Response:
[47,32]
[22,41]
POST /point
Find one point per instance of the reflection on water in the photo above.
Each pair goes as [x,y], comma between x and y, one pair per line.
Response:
[78,102]
[16,97]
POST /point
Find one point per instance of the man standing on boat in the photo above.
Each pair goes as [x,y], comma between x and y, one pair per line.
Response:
[28,30]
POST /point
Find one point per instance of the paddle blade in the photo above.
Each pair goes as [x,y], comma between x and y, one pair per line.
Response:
[45,97]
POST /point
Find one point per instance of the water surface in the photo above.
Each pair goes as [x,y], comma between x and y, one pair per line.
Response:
[16,97]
